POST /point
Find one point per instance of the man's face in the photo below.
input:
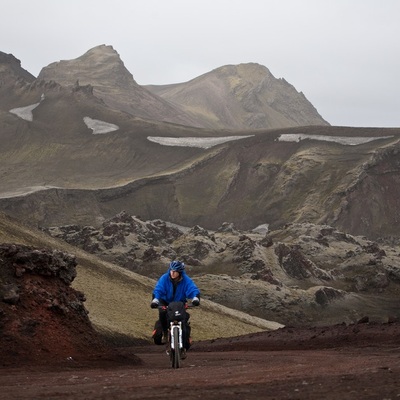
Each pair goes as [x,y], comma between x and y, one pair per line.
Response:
[174,274]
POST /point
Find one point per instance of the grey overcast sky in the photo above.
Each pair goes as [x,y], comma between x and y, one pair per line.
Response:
[344,55]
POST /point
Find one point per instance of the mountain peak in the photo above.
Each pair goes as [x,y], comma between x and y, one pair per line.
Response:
[103,53]
[105,48]
[244,68]
[101,65]
[242,96]
[11,66]
[251,74]
[8,59]
[102,68]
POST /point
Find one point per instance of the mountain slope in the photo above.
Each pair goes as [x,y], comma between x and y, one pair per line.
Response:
[118,300]
[66,157]
[244,96]
[47,140]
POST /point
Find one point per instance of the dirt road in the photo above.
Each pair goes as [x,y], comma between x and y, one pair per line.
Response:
[340,362]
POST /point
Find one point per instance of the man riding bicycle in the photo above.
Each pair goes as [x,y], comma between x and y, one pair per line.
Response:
[174,285]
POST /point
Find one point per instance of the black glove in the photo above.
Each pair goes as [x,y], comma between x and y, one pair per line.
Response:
[195,301]
[155,303]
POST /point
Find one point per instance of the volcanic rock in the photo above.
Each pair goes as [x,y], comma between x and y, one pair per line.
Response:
[301,274]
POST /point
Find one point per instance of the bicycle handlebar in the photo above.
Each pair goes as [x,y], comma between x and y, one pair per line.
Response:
[164,307]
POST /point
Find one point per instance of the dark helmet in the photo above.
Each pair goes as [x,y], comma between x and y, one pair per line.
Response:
[177,266]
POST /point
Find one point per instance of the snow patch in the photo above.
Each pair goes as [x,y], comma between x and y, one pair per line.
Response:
[26,112]
[263,229]
[349,141]
[26,190]
[99,127]
[201,142]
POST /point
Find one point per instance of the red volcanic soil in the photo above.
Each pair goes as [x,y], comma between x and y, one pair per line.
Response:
[360,361]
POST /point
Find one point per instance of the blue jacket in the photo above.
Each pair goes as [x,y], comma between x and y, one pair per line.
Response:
[185,289]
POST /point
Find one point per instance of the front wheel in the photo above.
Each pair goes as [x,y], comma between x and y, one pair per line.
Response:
[175,352]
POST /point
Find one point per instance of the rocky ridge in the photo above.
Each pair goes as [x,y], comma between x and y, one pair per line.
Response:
[10,69]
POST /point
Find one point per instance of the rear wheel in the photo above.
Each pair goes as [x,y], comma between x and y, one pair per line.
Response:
[175,352]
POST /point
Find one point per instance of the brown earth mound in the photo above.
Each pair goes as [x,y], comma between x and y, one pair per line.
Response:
[361,334]
[42,318]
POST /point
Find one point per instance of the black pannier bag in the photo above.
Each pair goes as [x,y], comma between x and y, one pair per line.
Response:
[157,333]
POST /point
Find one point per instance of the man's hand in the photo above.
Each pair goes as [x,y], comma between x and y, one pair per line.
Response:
[196,301]
[155,303]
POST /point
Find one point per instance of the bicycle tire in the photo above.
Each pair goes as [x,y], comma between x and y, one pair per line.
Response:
[176,354]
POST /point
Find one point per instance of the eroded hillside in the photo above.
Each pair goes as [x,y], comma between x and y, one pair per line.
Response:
[262,177]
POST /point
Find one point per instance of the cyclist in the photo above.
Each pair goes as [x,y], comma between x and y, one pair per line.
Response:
[174,285]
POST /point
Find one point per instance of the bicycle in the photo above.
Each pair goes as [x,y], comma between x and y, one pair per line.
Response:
[176,315]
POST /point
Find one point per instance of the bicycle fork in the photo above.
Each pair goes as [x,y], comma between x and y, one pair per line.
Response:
[176,335]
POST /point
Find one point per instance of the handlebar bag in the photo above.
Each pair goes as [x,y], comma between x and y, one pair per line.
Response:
[176,311]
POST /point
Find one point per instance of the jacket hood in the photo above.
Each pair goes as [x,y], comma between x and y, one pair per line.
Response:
[181,273]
